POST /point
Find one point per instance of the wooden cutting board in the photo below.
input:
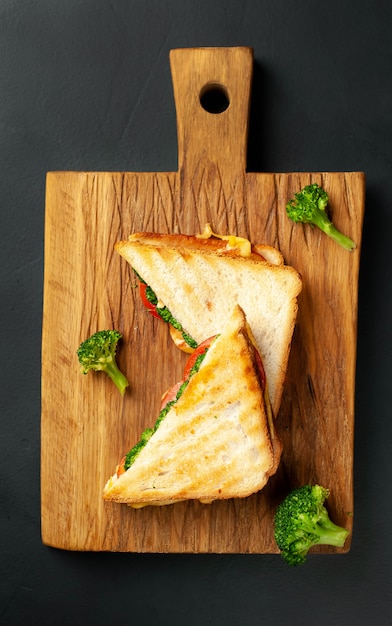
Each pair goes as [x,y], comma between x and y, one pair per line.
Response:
[87,426]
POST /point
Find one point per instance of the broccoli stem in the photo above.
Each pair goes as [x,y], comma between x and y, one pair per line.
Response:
[117,376]
[321,220]
[333,537]
[330,533]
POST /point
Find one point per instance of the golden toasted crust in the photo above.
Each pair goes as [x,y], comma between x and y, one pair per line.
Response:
[200,244]
[197,280]
[215,442]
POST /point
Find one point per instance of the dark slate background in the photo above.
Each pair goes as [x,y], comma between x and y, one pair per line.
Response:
[87,86]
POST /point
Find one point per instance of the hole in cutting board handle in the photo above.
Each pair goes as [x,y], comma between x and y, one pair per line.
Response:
[214,98]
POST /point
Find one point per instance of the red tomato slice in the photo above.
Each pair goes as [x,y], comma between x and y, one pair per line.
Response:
[120,467]
[149,306]
[170,394]
[199,350]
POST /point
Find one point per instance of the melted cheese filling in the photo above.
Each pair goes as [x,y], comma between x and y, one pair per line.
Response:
[233,242]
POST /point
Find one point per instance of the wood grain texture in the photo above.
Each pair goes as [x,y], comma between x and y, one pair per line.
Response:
[86,426]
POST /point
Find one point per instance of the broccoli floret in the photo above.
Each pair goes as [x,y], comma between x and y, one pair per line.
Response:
[98,353]
[309,206]
[302,521]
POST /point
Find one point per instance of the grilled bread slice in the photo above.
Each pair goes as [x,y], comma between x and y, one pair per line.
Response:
[197,279]
[215,441]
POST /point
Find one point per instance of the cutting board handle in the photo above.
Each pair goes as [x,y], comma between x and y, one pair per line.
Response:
[212,89]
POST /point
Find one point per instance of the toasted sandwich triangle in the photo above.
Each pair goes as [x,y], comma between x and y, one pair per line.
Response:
[214,443]
[197,285]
